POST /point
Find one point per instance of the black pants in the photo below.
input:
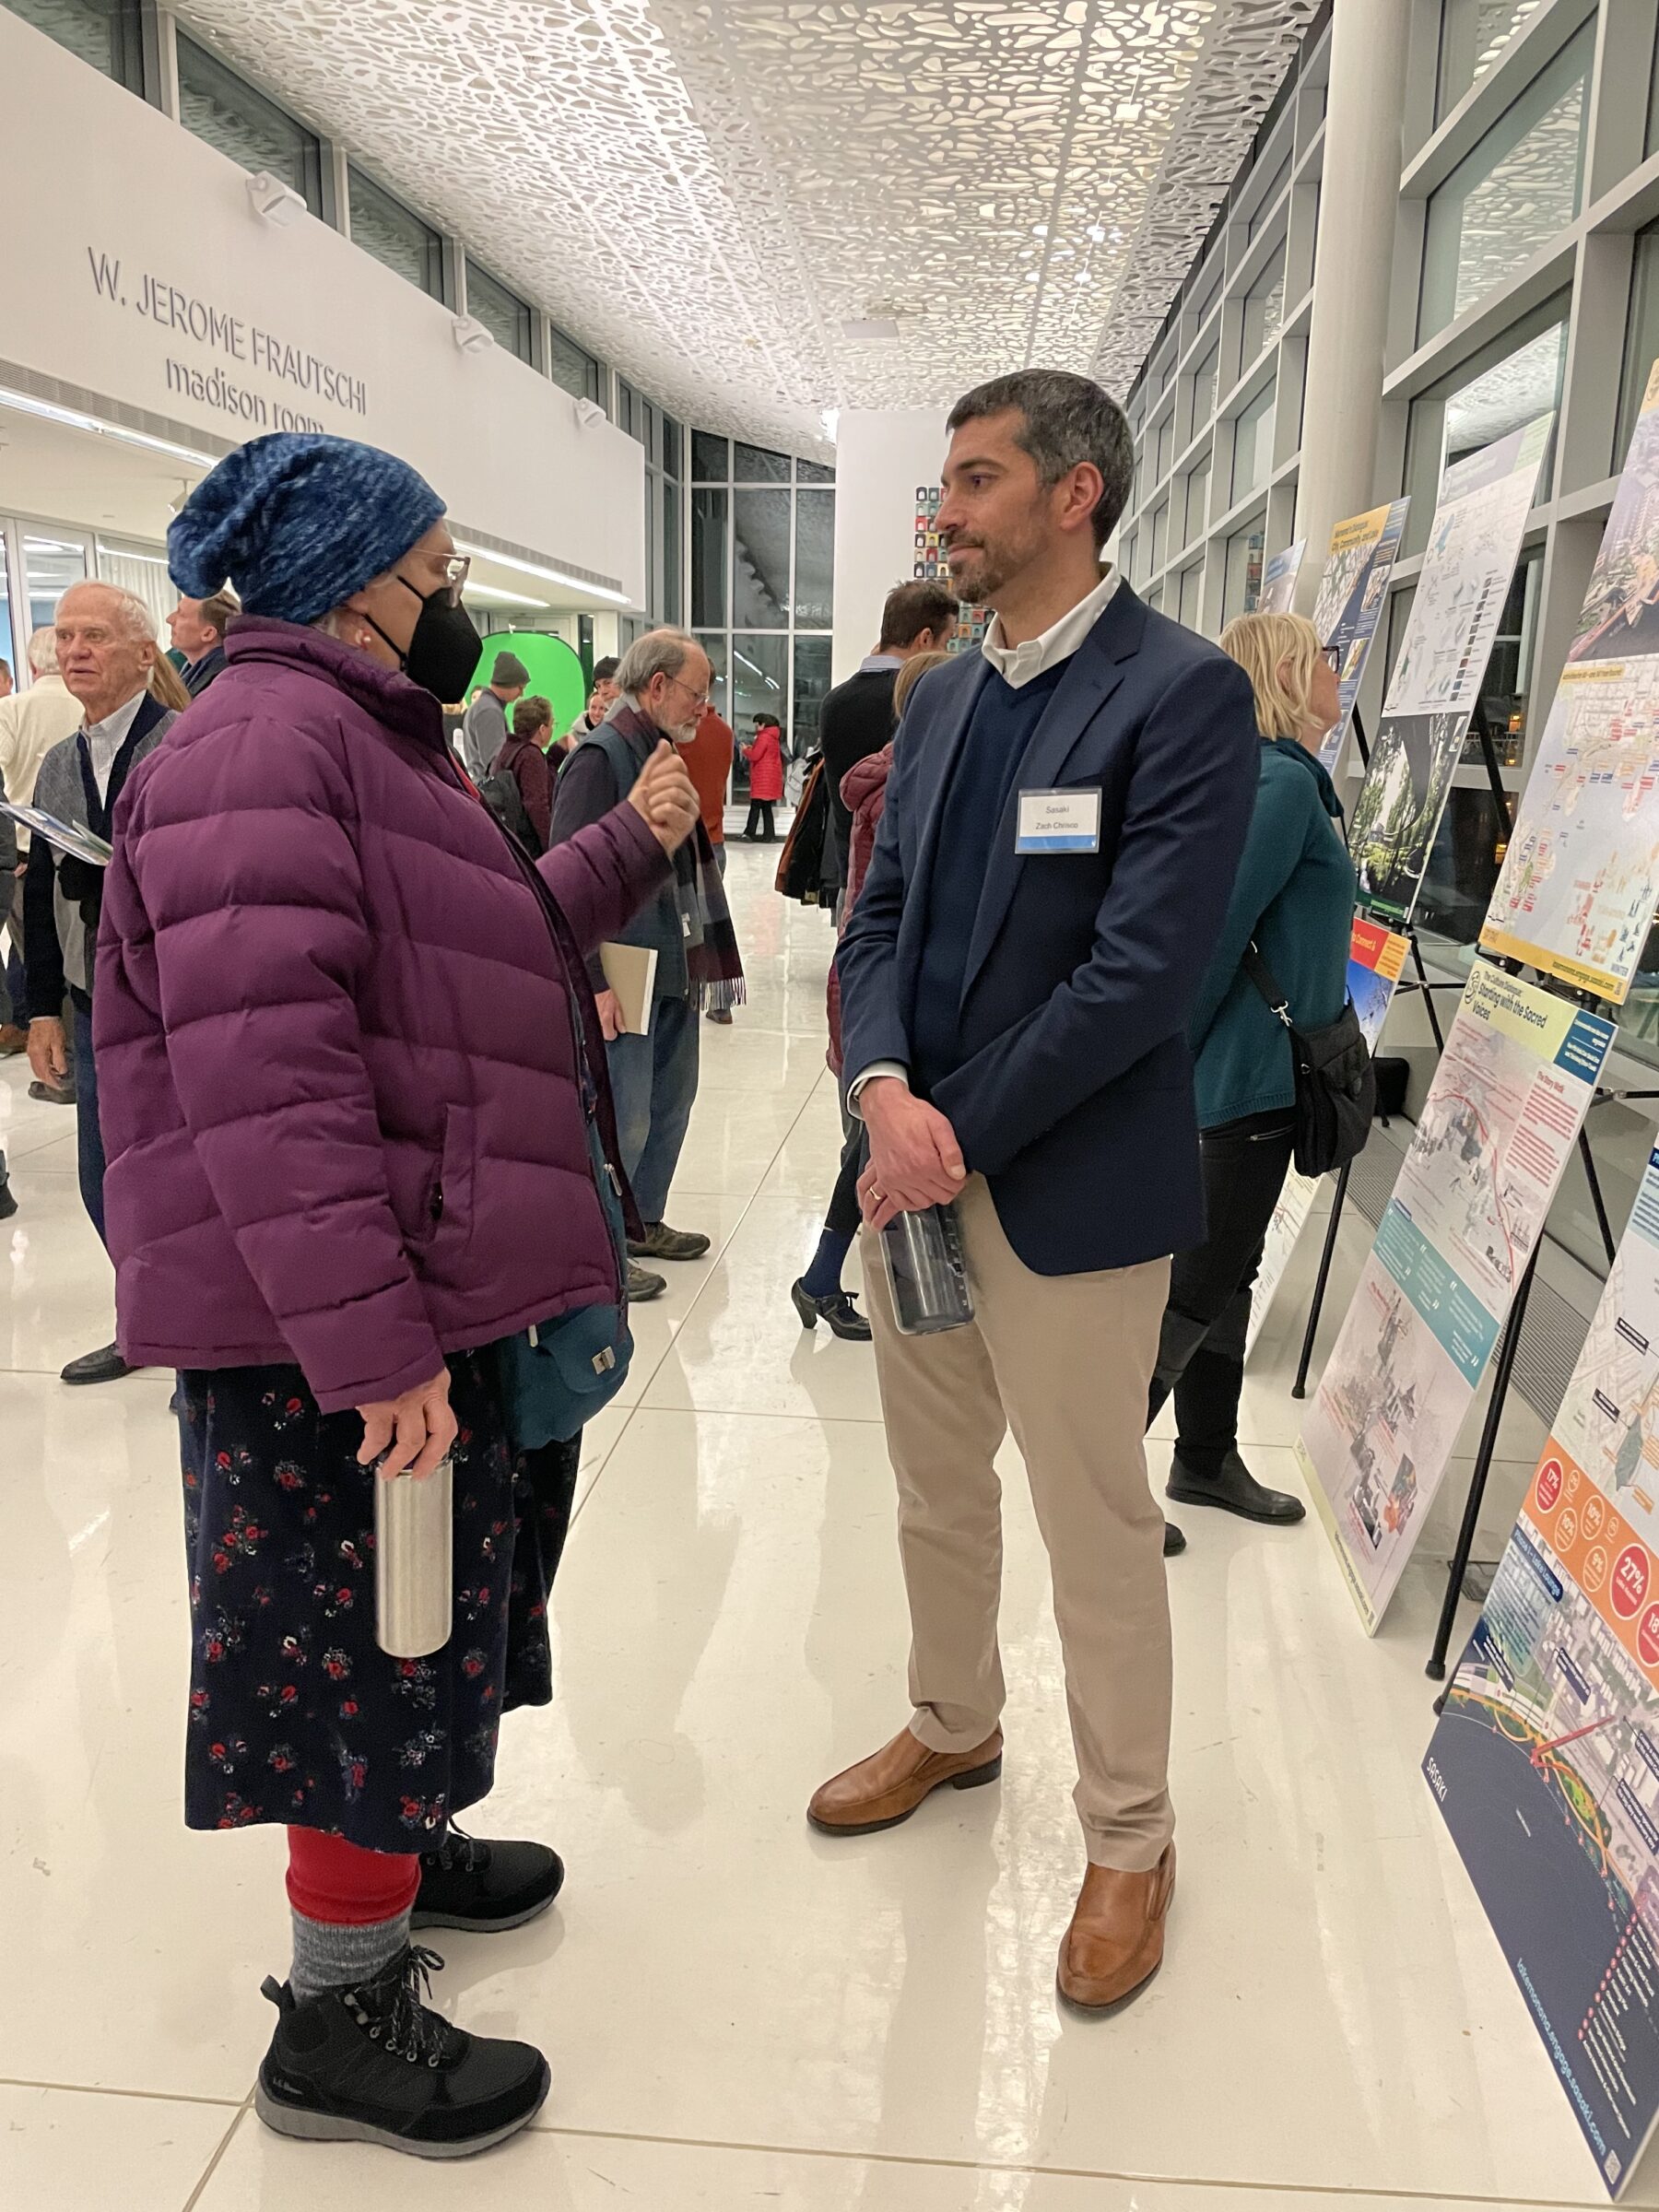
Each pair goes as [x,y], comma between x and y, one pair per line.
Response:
[1201,1350]
[761,810]
[842,1220]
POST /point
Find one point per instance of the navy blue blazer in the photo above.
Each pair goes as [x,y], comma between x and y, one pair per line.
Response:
[1074,1099]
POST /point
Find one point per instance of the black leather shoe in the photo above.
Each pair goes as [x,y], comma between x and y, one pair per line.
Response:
[1235,1489]
[837,1309]
[1174,1541]
[482,1887]
[105,1366]
[53,1094]
[8,1204]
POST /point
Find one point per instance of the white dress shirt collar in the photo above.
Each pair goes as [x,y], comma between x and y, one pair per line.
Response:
[105,739]
[1020,665]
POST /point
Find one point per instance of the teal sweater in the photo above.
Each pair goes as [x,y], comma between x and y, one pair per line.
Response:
[1294,894]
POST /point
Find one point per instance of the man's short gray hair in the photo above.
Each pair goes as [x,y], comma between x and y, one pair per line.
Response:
[42,650]
[1068,419]
[658,652]
[134,616]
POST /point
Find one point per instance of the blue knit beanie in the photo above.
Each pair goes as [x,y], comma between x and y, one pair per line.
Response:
[297,522]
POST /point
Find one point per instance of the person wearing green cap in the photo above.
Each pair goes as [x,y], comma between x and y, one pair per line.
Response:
[484,732]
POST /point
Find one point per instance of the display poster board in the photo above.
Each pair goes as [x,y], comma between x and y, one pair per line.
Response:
[1278,580]
[1376,956]
[1581,877]
[1546,1759]
[1352,594]
[1473,543]
[1501,1117]
[930,566]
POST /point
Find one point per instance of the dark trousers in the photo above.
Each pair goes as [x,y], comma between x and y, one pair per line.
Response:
[653,1084]
[842,1220]
[761,810]
[89,1151]
[1200,1345]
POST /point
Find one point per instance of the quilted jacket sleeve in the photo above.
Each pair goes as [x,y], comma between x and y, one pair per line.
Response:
[602,873]
[247,873]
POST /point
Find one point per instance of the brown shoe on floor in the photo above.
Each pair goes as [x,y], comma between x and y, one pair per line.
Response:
[888,1787]
[12,1040]
[1115,1943]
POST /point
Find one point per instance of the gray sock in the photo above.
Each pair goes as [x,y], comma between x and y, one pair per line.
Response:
[330,1956]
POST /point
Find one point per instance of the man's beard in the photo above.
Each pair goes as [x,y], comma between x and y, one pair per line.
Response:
[990,572]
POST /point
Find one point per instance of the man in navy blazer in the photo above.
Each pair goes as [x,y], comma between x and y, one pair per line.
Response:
[1063,819]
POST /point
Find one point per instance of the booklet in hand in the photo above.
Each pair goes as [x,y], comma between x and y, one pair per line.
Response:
[66,837]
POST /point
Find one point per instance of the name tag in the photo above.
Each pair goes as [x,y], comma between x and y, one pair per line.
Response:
[1058,821]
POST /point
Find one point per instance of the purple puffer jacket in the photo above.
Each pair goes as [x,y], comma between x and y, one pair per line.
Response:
[337,1055]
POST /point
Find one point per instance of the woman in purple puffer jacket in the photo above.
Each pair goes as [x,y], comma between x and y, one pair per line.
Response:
[346,1073]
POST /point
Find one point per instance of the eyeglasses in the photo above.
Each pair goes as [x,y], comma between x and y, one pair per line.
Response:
[699,699]
[1331,657]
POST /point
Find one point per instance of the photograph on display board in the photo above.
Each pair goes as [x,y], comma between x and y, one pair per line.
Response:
[1621,607]
[1352,594]
[1278,580]
[1513,1087]
[1397,813]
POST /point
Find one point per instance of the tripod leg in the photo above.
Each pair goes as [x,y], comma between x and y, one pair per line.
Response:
[1299,1389]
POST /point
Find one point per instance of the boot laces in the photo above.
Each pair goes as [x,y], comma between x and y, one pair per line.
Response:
[393,2010]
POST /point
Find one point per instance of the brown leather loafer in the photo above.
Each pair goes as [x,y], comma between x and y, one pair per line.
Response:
[1115,1943]
[888,1787]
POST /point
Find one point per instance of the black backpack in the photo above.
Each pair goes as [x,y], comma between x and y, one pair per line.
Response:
[500,793]
[801,862]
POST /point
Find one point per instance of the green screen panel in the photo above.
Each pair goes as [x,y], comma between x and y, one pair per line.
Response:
[555,671]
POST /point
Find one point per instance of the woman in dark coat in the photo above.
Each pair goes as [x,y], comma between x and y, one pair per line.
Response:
[351,1060]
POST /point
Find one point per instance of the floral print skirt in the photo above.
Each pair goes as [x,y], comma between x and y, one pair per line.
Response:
[296,1713]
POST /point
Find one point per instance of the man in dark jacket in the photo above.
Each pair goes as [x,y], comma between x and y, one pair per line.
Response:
[106,647]
[198,628]
[857,716]
[1062,825]
[663,678]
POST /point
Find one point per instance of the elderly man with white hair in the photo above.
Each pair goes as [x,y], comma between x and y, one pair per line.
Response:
[106,651]
[31,723]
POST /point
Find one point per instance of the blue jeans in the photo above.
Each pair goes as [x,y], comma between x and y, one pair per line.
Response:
[654,1081]
[89,1136]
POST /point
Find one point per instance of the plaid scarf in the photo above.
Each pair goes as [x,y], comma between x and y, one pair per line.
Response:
[714,966]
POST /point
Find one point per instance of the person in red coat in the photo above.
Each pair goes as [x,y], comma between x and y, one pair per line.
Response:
[764,753]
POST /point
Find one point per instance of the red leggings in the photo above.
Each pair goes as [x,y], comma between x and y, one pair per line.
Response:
[344,1886]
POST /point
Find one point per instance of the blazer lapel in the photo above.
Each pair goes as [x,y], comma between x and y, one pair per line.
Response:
[1096,671]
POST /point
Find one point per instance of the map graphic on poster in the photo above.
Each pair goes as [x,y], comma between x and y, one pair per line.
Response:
[1474,543]
[1278,580]
[1502,1115]
[1351,595]
[1545,1760]
[1376,956]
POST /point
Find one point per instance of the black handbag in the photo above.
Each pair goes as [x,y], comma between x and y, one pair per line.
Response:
[1335,1081]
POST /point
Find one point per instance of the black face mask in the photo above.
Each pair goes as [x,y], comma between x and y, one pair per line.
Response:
[444,648]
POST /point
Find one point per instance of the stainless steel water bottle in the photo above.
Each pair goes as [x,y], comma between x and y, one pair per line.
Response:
[414,1563]
[926,1272]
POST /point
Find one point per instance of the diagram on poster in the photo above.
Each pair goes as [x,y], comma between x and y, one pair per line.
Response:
[1351,596]
[1610,1417]
[1513,1084]
[1278,580]
[1376,957]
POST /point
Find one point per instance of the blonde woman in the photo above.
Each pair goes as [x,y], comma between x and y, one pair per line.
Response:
[1294,899]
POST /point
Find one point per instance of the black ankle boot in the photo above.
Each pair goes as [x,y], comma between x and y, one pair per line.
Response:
[373,2063]
[1234,1489]
[483,1886]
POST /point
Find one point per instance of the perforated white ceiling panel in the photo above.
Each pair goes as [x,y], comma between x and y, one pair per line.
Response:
[710,192]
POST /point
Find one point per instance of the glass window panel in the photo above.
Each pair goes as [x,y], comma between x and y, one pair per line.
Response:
[709,518]
[815,559]
[757,464]
[1263,308]
[654,548]
[107,33]
[1514,193]
[760,529]
[760,685]
[1641,340]
[1266,205]
[811,685]
[813,472]
[1473,34]
[215,104]
[1163,449]
[394,234]
[503,314]
[1126,555]
[12,644]
[1161,532]
[672,447]
[1197,494]
[1242,587]
[571,366]
[1252,445]
[1192,587]
[1205,299]
[1154,600]
[673,555]
[1203,390]
[711,458]
[50,566]
[714,644]
[1506,685]
[1484,399]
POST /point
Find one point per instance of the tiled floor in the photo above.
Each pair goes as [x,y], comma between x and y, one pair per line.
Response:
[738,2012]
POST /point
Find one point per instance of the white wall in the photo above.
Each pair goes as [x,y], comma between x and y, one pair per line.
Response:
[98,181]
[881,458]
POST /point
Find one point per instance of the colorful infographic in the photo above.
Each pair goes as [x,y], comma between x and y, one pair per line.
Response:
[1352,593]
[1473,547]
[1581,877]
[1278,580]
[1545,1760]
[1502,1115]
[1376,956]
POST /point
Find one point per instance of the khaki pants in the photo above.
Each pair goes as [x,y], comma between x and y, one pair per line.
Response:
[1064,1362]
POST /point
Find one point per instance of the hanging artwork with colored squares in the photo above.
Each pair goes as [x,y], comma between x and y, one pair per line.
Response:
[930,567]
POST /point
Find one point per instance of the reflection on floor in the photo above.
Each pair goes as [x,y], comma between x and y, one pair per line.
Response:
[738,2011]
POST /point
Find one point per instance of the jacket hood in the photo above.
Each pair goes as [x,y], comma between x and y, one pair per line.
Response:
[1288,749]
[865,777]
[385,693]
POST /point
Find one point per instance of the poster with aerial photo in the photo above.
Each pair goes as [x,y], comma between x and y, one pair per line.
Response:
[1352,592]
[1621,607]
[1278,580]
[1397,813]
[1500,1119]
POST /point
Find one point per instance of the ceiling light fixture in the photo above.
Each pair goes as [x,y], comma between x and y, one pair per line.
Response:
[870,330]
[72,418]
[489,591]
[530,567]
[273,201]
[154,560]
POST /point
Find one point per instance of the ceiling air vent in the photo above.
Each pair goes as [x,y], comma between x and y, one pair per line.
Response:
[871,330]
